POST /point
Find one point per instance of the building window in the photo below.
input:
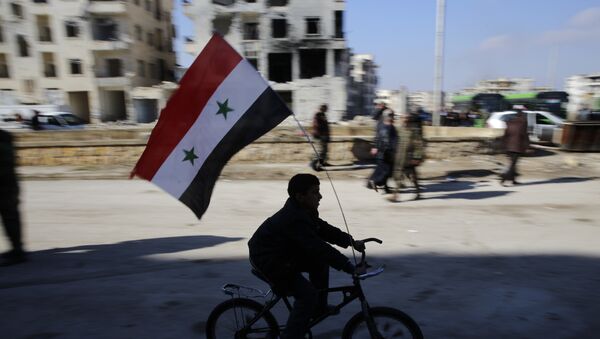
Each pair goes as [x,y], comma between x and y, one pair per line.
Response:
[1,34]
[49,66]
[312,63]
[339,24]
[23,46]
[141,68]
[148,5]
[136,2]
[72,29]
[3,66]
[75,66]
[251,1]
[277,3]
[279,28]
[152,70]
[138,33]
[114,67]
[43,27]
[150,39]
[17,10]
[159,39]
[313,26]
[280,67]
[251,31]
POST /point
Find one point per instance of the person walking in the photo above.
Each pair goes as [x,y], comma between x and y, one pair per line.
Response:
[9,201]
[409,154]
[384,149]
[35,121]
[516,141]
[321,132]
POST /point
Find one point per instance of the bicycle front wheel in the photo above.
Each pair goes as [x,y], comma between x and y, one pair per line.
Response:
[390,323]
[230,320]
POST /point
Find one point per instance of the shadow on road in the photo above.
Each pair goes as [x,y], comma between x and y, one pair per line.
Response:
[564,180]
[103,260]
[470,195]
[450,296]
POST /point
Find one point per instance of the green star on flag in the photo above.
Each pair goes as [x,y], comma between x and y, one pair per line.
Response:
[190,156]
[224,108]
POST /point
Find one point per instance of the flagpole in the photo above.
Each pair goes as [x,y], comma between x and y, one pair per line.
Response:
[337,198]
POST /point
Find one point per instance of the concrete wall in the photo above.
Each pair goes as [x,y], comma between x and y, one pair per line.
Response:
[284,144]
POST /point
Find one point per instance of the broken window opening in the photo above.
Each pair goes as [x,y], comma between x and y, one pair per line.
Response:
[72,29]
[279,28]
[313,26]
[105,29]
[141,68]
[49,66]
[277,3]
[339,24]
[280,67]
[312,63]
[23,46]
[250,30]
[114,67]
[17,10]
[75,66]
[222,24]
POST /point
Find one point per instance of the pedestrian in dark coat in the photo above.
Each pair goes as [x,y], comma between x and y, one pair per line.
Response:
[321,133]
[516,141]
[9,200]
[384,147]
[296,240]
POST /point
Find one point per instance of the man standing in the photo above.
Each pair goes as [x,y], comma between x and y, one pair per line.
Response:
[9,201]
[516,142]
[321,133]
[384,149]
[35,121]
[295,240]
[409,153]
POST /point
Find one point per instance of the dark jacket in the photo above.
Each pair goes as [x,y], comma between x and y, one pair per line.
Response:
[9,186]
[515,135]
[320,126]
[385,142]
[292,236]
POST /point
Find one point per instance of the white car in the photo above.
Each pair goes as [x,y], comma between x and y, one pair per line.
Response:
[540,124]
[59,120]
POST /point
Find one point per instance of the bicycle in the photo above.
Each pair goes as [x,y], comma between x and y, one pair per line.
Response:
[241,317]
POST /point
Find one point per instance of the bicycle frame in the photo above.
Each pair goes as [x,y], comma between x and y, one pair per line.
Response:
[349,293]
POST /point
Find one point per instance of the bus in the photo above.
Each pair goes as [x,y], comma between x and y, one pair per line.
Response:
[554,102]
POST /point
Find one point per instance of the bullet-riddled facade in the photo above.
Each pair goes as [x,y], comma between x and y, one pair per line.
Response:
[298,45]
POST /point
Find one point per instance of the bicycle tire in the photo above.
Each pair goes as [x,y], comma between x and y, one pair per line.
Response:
[217,327]
[401,326]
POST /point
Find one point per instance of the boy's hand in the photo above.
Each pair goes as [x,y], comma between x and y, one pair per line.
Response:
[358,245]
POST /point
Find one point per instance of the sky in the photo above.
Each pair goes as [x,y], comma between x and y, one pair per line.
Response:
[547,40]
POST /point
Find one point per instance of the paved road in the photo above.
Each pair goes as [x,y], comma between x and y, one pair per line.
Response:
[122,259]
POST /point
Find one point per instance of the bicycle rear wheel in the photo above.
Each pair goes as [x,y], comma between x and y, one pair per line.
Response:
[390,323]
[229,319]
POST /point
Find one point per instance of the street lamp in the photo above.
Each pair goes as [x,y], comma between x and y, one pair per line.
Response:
[439,62]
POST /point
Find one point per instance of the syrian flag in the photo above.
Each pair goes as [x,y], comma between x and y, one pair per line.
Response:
[221,106]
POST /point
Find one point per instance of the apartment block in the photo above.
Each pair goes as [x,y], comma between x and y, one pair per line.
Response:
[86,55]
[297,45]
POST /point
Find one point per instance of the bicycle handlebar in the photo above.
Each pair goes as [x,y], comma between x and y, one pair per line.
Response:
[372,239]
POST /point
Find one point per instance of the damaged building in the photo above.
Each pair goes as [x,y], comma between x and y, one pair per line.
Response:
[298,45]
[87,56]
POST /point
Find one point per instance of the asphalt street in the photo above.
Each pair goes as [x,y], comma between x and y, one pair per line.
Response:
[473,259]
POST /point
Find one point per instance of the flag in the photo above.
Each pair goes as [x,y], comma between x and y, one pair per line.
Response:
[221,105]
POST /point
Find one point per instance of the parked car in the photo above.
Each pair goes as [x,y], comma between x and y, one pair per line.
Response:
[59,120]
[540,124]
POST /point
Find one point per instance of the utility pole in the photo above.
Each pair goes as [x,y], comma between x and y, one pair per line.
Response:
[439,61]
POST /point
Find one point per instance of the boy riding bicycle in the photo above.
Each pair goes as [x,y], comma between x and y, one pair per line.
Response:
[296,240]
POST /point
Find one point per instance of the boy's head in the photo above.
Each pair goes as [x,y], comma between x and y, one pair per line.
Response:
[304,189]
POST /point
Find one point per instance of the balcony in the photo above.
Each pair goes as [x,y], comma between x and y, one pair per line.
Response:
[109,45]
[103,7]
[119,81]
